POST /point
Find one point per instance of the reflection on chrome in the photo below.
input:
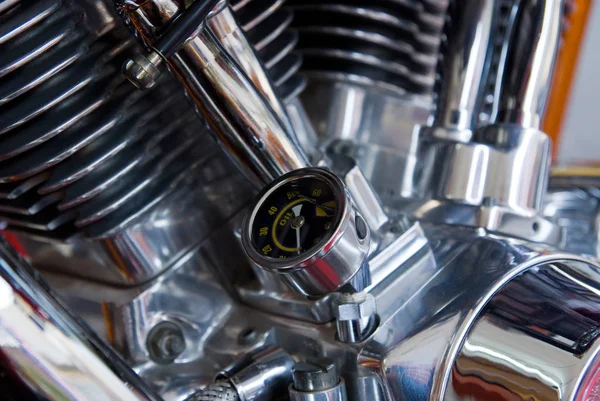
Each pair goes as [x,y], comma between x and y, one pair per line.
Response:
[453,263]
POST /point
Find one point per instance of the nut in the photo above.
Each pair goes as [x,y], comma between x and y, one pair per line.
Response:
[355,306]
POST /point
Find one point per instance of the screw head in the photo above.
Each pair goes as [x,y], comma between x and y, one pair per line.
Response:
[165,342]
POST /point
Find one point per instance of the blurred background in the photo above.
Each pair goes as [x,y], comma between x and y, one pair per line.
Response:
[579,139]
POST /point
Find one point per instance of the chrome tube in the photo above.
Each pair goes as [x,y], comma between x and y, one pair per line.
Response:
[245,123]
[223,25]
[55,355]
[532,50]
[464,69]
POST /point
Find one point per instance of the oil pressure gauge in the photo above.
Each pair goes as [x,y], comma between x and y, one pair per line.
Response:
[305,227]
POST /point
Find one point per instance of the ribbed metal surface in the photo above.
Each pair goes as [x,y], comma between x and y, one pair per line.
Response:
[267,25]
[81,150]
[388,43]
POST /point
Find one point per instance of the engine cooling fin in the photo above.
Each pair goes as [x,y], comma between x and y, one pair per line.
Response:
[81,150]
[393,44]
[267,26]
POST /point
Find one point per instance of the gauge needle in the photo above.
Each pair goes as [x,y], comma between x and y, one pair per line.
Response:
[317,204]
[296,209]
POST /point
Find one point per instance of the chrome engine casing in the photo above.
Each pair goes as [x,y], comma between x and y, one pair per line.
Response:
[486,279]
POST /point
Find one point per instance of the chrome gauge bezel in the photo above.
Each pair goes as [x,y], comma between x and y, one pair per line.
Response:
[343,214]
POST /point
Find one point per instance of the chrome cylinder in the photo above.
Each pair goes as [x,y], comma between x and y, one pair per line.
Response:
[464,70]
[356,316]
[532,50]
[53,353]
[267,375]
[519,166]
[227,31]
[536,339]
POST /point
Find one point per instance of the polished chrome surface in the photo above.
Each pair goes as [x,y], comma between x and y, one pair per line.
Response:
[466,61]
[285,302]
[379,130]
[363,195]
[531,54]
[511,172]
[336,393]
[390,249]
[497,182]
[474,299]
[266,378]
[329,266]
[443,291]
[247,127]
[227,30]
[56,355]
[535,339]
[224,26]
[315,375]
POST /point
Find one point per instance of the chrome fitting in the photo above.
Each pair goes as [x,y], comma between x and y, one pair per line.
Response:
[356,316]
[317,380]
[143,71]
[266,375]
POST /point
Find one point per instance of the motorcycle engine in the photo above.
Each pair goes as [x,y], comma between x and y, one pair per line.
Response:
[306,200]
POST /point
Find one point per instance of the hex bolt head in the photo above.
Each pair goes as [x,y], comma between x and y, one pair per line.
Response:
[357,306]
[315,375]
[356,316]
[165,342]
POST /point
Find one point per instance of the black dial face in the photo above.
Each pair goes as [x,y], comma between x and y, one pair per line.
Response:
[295,218]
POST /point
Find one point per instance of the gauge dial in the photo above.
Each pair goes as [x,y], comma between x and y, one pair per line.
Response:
[305,226]
[295,217]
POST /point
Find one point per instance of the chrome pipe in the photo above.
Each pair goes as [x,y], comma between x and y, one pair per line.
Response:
[247,126]
[531,54]
[56,355]
[223,25]
[464,68]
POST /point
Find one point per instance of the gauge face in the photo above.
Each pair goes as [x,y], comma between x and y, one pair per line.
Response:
[295,218]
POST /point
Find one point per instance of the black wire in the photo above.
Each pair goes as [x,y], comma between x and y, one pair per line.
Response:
[183,27]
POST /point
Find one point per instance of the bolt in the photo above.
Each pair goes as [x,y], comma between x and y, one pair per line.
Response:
[165,342]
[357,306]
[315,375]
[356,316]
[143,71]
